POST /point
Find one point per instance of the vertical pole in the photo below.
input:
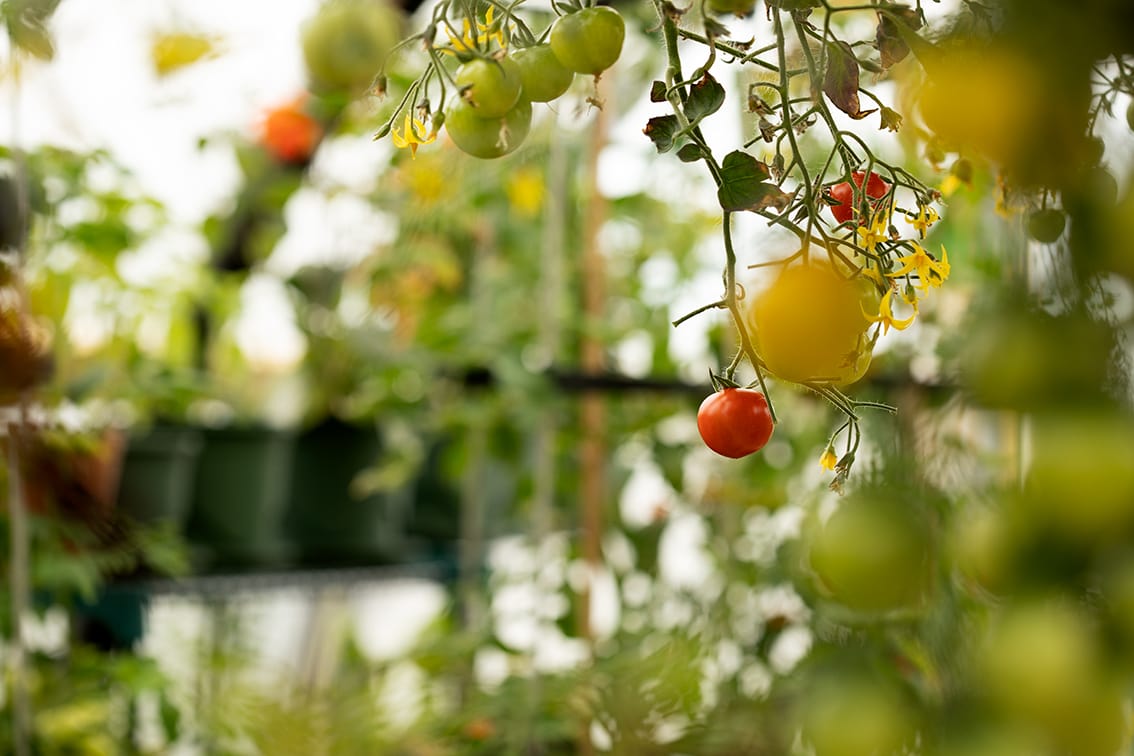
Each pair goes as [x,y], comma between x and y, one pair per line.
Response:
[593,447]
[18,577]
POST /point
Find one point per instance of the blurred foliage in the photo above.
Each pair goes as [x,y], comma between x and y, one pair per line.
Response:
[972,592]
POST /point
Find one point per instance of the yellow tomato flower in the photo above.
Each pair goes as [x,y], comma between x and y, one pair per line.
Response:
[886,315]
[829,459]
[415,134]
[468,41]
[870,237]
[925,218]
[929,272]
[525,191]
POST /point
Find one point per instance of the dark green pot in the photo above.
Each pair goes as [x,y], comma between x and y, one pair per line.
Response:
[327,521]
[156,486]
[240,496]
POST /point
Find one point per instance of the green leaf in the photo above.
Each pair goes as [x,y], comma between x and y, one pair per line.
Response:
[31,36]
[840,82]
[705,98]
[657,91]
[661,131]
[690,153]
[744,185]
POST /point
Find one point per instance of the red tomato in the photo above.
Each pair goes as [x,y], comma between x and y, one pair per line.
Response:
[735,422]
[289,133]
[876,189]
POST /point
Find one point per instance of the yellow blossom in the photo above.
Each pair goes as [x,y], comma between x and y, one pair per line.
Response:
[829,459]
[415,134]
[525,191]
[487,29]
[929,272]
[925,218]
[886,315]
[468,41]
[869,237]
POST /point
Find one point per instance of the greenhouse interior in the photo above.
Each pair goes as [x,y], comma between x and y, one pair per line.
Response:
[556,377]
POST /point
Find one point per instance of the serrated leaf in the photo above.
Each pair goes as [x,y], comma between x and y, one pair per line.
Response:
[661,130]
[744,186]
[690,153]
[705,98]
[892,47]
[840,82]
[657,91]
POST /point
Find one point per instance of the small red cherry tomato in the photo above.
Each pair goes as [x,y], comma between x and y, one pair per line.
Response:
[735,422]
[843,193]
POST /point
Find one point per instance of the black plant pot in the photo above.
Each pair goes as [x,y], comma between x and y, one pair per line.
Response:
[328,521]
[240,497]
[156,487]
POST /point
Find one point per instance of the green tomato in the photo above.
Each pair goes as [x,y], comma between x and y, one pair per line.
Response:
[1046,226]
[873,553]
[492,87]
[347,41]
[589,41]
[488,137]
[543,75]
[735,7]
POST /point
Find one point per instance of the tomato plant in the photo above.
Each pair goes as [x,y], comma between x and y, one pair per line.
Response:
[843,193]
[589,41]
[488,137]
[544,77]
[492,87]
[735,422]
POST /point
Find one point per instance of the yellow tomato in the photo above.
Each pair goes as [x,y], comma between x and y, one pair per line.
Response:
[810,325]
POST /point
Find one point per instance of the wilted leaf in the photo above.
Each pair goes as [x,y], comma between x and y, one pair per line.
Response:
[840,83]
[661,130]
[892,46]
[744,185]
[705,98]
[657,91]
[891,119]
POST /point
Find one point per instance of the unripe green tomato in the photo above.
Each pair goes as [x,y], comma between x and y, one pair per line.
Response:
[1041,663]
[856,714]
[487,137]
[1130,116]
[1102,189]
[1081,479]
[588,41]
[347,41]
[735,7]
[543,75]
[1046,226]
[492,87]
[873,554]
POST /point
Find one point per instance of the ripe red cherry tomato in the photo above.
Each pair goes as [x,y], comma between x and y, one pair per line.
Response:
[735,422]
[876,188]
